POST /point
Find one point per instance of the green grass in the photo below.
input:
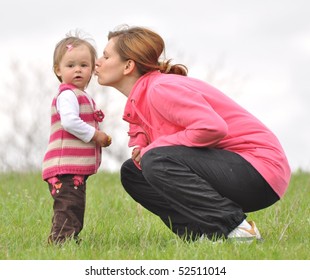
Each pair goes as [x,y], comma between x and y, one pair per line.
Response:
[116,228]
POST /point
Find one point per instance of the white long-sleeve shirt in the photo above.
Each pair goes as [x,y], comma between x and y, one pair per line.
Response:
[68,108]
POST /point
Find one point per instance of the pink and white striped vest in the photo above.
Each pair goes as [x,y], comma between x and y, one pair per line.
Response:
[66,154]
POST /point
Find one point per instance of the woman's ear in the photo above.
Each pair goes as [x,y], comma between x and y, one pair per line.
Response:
[129,67]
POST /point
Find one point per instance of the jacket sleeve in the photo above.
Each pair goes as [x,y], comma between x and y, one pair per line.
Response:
[137,136]
[199,125]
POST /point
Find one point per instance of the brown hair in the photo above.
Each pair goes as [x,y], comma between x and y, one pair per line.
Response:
[72,41]
[144,46]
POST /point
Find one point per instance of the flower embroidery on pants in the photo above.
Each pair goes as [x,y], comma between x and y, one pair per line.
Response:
[78,180]
[54,181]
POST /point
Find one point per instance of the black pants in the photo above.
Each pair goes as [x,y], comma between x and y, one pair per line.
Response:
[197,191]
[69,194]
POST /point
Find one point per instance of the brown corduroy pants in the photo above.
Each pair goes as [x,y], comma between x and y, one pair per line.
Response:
[69,194]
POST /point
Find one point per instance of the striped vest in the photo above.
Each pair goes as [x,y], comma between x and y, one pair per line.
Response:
[66,154]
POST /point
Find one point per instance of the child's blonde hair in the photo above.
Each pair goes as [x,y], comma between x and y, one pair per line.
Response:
[69,42]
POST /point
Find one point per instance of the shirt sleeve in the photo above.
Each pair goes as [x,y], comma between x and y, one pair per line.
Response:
[68,108]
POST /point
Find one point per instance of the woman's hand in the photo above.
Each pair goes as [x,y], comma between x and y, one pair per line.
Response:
[136,155]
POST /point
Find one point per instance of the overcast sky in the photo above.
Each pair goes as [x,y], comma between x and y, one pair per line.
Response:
[260,49]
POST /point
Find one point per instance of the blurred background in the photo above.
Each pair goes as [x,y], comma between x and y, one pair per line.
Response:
[257,52]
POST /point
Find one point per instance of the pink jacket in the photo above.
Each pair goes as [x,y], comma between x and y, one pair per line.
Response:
[168,109]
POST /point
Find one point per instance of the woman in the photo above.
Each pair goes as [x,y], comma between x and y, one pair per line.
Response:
[200,161]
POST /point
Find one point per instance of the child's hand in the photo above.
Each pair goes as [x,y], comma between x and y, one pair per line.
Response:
[102,139]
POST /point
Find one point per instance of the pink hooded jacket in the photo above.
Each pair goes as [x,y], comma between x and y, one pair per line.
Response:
[168,110]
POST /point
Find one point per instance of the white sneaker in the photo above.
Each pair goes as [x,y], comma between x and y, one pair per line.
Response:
[241,234]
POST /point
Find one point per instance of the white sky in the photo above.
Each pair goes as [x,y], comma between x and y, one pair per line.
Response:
[263,47]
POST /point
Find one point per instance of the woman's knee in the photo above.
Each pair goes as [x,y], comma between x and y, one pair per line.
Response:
[127,172]
[131,177]
[127,167]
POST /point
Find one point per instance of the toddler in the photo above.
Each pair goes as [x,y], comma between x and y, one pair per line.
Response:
[74,149]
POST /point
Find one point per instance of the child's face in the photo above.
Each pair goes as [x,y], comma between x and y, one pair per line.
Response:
[75,67]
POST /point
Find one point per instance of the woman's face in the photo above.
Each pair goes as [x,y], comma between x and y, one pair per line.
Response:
[110,67]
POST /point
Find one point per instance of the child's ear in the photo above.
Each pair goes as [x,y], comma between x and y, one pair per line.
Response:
[57,71]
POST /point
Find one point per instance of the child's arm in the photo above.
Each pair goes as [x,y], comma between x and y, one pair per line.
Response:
[68,108]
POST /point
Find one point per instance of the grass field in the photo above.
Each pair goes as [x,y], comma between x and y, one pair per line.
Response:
[117,229]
